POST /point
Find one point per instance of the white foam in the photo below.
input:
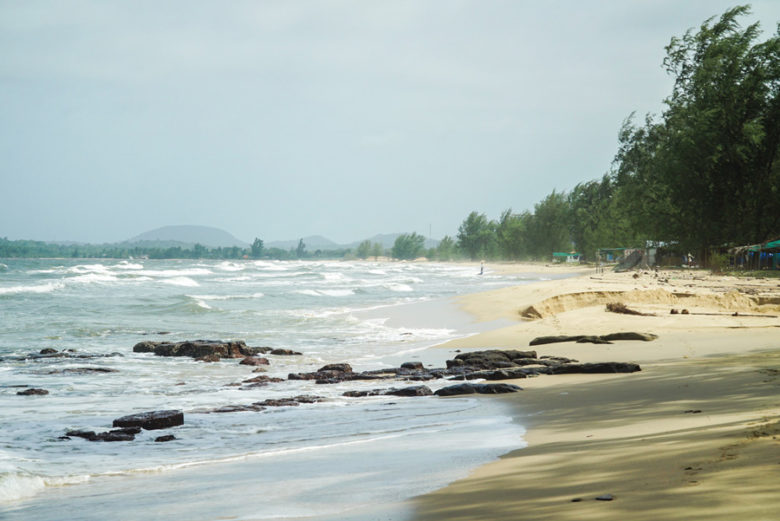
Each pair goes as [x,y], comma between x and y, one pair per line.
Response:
[39,288]
[124,265]
[228,297]
[181,281]
[15,486]
[401,288]
[326,292]
[230,266]
[90,278]
[191,272]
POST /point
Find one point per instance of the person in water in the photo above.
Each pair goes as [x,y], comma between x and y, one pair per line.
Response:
[481,268]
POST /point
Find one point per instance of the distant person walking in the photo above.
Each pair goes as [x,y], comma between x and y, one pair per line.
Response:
[482,268]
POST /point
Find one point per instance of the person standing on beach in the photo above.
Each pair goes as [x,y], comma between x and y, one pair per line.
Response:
[482,268]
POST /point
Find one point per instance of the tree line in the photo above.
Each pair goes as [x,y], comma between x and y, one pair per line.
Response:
[702,176]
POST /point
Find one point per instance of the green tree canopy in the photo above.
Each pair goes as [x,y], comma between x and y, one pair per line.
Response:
[408,246]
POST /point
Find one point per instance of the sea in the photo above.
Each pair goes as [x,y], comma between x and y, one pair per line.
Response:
[341,457]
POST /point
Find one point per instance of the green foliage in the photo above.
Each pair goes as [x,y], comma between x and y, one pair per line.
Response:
[548,229]
[476,236]
[363,250]
[377,250]
[706,173]
[408,246]
[257,248]
[300,251]
[445,251]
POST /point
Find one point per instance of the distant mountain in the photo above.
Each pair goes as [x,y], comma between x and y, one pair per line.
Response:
[312,242]
[187,235]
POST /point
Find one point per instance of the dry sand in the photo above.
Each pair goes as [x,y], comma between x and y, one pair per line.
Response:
[694,436]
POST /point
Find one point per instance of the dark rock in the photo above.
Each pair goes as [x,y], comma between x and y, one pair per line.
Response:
[209,358]
[254,360]
[198,348]
[278,402]
[630,335]
[47,351]
[115,435]
[237,408]
[602,339]
[501,374]
[87,435]
[541,340]
[590,339]
[605,497]
[33,392]
[151,420]
[490,359]
[285,352]
[262,379]
[83,370]
[414,366]
[416,390]
[162,439]
[344,368]
[599,367]
[362,394]
[468,388]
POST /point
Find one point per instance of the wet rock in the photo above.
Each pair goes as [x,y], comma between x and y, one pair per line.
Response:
[47,351]
[209,358]
[605,497]
[363,394]
[261,380]
[415,390]
[254,360]
[163,439]
[469,388]
[490,359]
[87,435]
[414,366]
[82,370]
[501,374]
[592,368]
[237,408]
[198,348]
[331,373]
[151,420]
[285,352]
[33,392]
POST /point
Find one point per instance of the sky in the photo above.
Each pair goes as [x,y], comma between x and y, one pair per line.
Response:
[343,118]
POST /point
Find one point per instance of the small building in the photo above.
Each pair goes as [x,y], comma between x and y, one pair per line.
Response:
[559,257]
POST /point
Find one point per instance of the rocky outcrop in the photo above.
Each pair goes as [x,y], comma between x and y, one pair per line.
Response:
[284,352]
[124,434]
[490,359]
[601,367]
[469,388]
[199,349]
[33,392]
[254,360]
[151,420]
[595,339]
[415,390]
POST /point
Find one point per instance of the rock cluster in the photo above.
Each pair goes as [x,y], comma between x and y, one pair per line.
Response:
[128,426]
[207,350]
[594,339]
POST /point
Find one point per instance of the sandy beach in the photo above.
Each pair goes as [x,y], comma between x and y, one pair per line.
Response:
[692,436]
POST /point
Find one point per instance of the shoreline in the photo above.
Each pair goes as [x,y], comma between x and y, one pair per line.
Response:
[694,435]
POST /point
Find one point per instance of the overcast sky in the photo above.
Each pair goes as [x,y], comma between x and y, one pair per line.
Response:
[283,119]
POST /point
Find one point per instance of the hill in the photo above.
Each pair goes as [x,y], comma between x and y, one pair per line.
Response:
[189,235]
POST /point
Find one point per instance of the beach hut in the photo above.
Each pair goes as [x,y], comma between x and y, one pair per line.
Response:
[559,256]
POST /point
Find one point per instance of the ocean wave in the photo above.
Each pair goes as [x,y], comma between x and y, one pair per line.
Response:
[326,292]
[402,288]
[91,278]
[124,265]
[228,297]
[190,272]
[231,266]
[181,281]
[15,486]
[38,288]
